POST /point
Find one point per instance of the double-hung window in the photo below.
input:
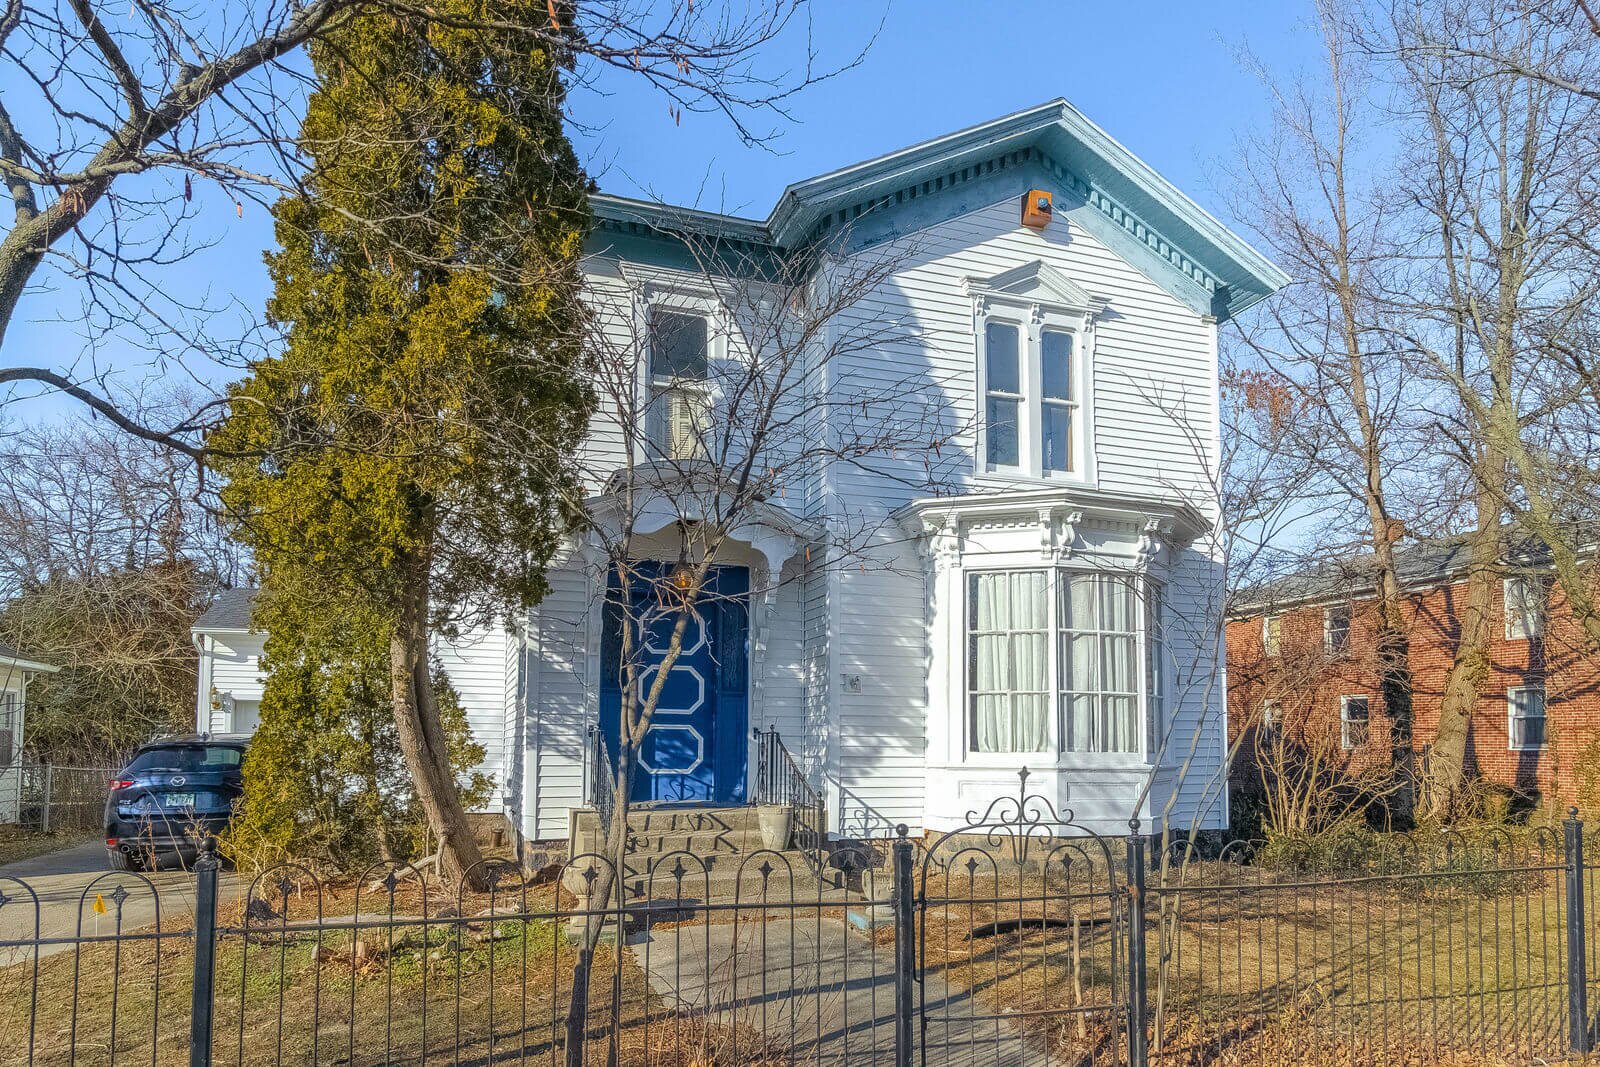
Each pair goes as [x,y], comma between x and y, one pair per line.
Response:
[1525,717]
[1003,393]
[1099,676]
[1336,629]
[1009,674]
[1354,715]
[1058,403]
[1271,718]
[1032,402]
[680,347]
[1063,660]
[1272,635]
[1524,600]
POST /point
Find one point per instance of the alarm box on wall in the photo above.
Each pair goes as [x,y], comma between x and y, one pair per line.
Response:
[1036,210]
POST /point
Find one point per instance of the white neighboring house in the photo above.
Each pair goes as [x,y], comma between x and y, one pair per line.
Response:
[1052,604]
[16,671]
[230,683]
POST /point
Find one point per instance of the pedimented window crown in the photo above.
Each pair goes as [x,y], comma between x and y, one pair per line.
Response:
[1036,284]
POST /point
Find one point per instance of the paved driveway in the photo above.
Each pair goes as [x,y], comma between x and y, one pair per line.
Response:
[66,885]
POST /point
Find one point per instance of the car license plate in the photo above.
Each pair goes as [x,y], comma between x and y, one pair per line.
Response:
[178,800]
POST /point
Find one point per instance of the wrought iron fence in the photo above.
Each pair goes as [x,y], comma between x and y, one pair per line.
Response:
[1020,937]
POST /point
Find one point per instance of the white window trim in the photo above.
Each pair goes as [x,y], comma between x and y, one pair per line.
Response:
[1144,755]
[688,300]
[1031,319]
[1267,648]
[1274,721]
[1536,622]
[1345,722]
[1511,717]
[1327,629]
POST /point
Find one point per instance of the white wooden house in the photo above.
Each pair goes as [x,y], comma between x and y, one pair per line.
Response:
[16,671]
[1051,602]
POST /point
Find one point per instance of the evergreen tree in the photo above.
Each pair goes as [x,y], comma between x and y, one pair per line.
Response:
[325,781]
[407,456]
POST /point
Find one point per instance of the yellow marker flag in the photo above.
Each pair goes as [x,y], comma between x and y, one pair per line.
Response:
[99,904]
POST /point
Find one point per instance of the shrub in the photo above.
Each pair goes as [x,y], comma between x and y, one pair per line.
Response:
[1345,846]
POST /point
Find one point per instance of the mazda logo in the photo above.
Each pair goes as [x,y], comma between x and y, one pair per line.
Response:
[177,779]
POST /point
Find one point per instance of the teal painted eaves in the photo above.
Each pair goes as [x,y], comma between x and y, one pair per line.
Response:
[1101,185]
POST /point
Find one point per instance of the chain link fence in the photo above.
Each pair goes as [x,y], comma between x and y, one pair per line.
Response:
[49,797]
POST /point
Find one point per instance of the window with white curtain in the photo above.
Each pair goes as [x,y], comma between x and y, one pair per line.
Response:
[1080,636]
[1009,676]
[1099,675]
[1155,669]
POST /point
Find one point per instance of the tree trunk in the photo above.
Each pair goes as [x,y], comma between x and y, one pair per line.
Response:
[1447,760]
[605,898]
[422,740]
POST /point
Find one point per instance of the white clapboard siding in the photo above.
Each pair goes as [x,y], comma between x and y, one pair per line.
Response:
[475,665]
[559,708]
[1154,385]
[235,674]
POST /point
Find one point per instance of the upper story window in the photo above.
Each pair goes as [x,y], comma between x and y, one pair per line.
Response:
[1033,331]
[1336,629]
[1089,639]
[1003,394]
[678,405]
[1272,635]
[1524,599]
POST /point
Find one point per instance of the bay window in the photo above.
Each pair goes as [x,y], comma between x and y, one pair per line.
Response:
[1063,660]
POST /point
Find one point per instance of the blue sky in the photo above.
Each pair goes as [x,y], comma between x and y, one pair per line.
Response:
[1163,78]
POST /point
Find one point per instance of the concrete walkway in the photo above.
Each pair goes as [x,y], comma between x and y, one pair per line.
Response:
[819,988]
[66,884]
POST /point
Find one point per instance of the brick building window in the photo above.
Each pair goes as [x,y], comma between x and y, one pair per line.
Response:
[1525,715]
[1336,629]
[1272,635]
[1271,717]
[1524,597]
[1354,712]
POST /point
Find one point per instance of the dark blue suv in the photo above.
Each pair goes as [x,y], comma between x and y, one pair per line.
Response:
[171,795]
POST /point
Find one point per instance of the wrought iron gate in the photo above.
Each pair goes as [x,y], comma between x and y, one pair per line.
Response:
[1029,902]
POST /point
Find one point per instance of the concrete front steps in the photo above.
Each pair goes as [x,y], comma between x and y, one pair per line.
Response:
[704,855]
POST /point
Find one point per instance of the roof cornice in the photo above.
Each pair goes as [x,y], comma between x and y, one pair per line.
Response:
[1220,270]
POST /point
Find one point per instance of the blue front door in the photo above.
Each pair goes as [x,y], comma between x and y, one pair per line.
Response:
[695,750]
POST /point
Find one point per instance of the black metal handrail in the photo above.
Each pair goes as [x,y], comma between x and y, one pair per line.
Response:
[602,779]
[780,781]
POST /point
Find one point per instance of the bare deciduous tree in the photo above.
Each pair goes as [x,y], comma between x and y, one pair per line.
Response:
[118,134]
[707,437]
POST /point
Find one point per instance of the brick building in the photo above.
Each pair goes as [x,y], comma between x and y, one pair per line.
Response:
[1302,659]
